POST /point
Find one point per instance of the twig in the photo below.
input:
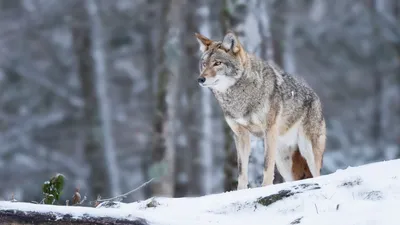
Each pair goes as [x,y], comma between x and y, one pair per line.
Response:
[13,198]
[332,196]
[316,208]
[126,194]
[81,202]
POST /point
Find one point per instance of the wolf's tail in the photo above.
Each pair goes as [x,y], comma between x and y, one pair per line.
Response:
[300,169]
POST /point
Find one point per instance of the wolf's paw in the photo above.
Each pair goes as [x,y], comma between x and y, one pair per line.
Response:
[266,184]
[268,178]
[242,186]
[267,181]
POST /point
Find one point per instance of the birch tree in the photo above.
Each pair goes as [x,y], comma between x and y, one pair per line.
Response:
[207,147]
[98,53]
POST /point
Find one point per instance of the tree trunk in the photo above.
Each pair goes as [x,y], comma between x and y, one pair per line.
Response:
[207,149]
[289,60]
[165,122]
[233,15]
[158,149]
[264,29]
[82,49]
[396,10]
[277,22]
[230,163]
[100,62]
[377,7]
[150,53]
[189,165]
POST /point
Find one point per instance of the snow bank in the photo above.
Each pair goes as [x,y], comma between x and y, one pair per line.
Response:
[365,195]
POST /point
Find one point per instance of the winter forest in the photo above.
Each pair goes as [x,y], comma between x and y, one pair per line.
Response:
[106,93]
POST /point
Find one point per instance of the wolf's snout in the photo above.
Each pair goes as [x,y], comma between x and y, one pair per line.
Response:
[201,80]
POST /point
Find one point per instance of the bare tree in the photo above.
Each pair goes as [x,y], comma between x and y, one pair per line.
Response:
[165,126]
[233,16]
[99,60]
[289,61]
[82,44]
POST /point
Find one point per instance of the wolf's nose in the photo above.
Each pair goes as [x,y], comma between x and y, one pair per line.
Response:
[201,80]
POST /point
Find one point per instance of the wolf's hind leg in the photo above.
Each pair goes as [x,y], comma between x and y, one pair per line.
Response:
[284,162]
[291,164]
[318,143]
[300,169]
[312,138]
[306,150]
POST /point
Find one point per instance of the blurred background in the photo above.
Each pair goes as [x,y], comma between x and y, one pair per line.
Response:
[105,92]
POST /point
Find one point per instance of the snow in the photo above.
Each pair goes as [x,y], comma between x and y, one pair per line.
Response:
[365,195]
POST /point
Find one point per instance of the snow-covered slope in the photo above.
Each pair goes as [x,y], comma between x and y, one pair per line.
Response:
[365,195]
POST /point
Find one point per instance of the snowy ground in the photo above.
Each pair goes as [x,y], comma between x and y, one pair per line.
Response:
[365,195]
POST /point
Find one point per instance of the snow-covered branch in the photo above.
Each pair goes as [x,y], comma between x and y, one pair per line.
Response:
[23,213]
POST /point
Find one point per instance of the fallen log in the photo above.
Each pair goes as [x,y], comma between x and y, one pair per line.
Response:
[27,213]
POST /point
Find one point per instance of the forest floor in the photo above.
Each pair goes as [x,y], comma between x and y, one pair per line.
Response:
[365,195]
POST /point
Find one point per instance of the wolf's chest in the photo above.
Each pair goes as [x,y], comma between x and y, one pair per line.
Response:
[254,127]
[252,117]
[239,105]
[235,109]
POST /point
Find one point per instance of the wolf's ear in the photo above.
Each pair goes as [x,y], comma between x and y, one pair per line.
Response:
[204,42]
[231,43]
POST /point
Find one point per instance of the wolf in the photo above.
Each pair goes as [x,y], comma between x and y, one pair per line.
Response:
[257,97]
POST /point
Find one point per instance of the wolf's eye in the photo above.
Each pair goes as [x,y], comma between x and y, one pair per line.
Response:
[217,63]
[203,65]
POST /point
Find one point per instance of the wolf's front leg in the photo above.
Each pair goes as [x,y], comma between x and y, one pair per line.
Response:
[270,140]
[242,141]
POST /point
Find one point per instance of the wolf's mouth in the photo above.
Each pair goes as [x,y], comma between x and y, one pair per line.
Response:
[209,85]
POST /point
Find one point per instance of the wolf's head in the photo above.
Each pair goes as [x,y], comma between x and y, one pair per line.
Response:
[222,62]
